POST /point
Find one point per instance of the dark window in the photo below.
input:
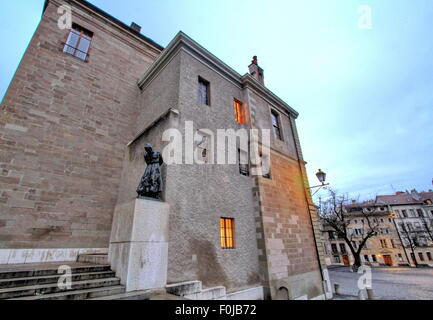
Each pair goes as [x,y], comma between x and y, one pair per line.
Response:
[266,166]
[276,124]
[404,213]
[331,235]
[373,257]
[366,257]
[420,213]
[334,248]
[78,42]
[203,91]
[227,233]
[240,112]
[421,256]
[429,256]
[342,248]
[244,167]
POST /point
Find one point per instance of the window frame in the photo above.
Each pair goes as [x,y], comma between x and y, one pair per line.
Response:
[240,111]
[206,84]
[81,32]
[275,114]
[223,233]
[244,168]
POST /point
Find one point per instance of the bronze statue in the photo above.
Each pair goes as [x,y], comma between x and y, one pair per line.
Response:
[151,182]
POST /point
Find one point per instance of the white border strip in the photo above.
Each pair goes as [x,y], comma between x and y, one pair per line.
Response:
[16,256]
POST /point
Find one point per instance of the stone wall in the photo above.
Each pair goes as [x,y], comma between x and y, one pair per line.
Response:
[200,194]
[64,127]
[287,231]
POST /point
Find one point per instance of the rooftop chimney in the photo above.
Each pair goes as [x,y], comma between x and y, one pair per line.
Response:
[135,27]
[256,71]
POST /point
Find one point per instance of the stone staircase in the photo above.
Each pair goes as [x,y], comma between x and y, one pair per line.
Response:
[40,282]
[92,279]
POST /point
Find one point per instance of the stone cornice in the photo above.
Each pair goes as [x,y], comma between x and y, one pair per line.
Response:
[249,82]
[107,18]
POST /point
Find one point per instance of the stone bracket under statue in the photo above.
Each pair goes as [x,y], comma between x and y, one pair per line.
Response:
[139,244]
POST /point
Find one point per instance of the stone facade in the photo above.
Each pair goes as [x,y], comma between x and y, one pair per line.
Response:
[64,127]
[72,137]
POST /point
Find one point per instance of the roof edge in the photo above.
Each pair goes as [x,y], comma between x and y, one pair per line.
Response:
[114,20]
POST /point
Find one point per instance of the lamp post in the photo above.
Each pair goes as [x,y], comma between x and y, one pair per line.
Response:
[321,176]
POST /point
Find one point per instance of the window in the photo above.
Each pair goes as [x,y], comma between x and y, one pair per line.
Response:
[393,244]
[342,248]
[244,168]
[337,259]
[78,42]
[429,256]
[276,124]
[334,248]
[203,91]
[366,258]
[240,111]
[265,165]
[227,232]
[331,235]
[421,256]
[404,213]
[420,213]
[412,213]
[383,243]
[373,257]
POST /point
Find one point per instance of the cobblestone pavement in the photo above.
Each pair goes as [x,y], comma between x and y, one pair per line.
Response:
[389,283]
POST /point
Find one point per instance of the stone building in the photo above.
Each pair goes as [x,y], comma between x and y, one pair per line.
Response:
[81,106]
[405,223]
[413,212]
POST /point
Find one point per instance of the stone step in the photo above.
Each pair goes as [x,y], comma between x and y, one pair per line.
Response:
[36,290]
[39,280]
[96,258]
[78,294]
[133,295]
[184,288]
[47,269]
[213,293]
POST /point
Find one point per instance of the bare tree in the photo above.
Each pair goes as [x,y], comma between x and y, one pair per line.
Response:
[428,226]
[334,212]
[410,240]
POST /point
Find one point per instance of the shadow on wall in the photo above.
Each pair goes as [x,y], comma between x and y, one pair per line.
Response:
[210,271]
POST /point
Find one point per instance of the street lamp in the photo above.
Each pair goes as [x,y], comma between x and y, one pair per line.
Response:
[321,176]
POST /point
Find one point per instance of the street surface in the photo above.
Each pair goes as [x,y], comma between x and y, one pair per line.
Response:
[388,283]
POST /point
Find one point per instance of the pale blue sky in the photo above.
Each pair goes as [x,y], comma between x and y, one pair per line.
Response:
[365,97]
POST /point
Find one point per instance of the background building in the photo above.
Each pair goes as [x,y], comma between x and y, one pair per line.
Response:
[405,221]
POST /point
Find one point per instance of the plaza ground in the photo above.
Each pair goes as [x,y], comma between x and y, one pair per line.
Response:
[388,283]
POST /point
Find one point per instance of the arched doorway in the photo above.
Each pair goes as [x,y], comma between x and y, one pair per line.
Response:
[283,293]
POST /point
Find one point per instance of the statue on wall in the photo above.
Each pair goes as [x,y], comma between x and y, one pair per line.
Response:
[151,183]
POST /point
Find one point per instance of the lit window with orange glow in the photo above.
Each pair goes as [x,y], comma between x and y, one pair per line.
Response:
[240,111]
[227,233]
